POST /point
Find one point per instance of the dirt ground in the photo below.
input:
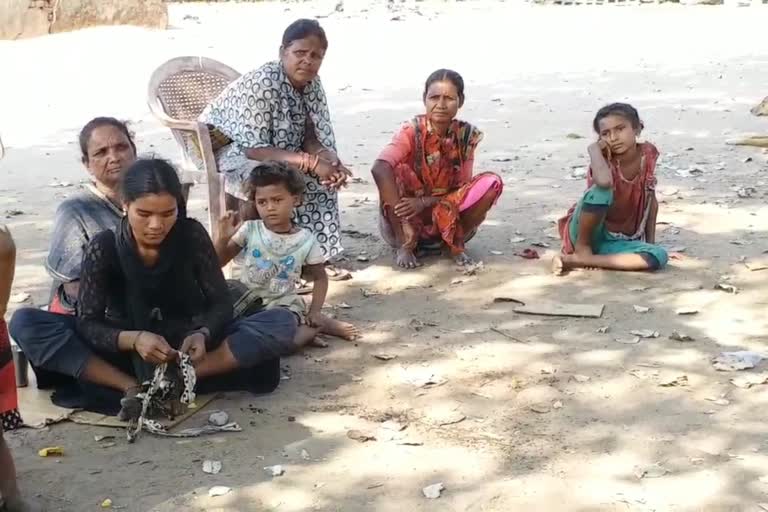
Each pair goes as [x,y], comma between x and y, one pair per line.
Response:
[527,412]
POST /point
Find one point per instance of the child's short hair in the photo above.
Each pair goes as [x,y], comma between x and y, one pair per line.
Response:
[624,110]
[274,173]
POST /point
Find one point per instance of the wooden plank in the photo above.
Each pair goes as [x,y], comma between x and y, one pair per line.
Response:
[561,309]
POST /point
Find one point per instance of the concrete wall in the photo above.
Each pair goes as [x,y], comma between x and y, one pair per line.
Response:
[31,18]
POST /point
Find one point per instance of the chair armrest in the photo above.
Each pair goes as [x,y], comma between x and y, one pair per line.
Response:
[175,124]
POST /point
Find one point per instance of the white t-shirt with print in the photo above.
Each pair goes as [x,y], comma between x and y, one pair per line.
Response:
[273,261]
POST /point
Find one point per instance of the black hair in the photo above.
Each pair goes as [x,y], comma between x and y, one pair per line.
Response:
[274,173]
[624,110]
[152,176]
[303,28]
[98,122]
[446,74]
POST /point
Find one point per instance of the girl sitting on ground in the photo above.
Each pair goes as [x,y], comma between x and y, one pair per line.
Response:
[427,190]
[613,227]
[277,251]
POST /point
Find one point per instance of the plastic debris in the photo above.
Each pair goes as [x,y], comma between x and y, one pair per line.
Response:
[674,381]
[749,380]
[652,471]
[107,503]
[275,471]
[641,309]
[581,378]
[51,451]
[218,418]
[432,492]
[727,288]
[687,311]
[645,333]
[212,467]
[734,361]
[633,340]
[682,337]
[360,436]
[219,490]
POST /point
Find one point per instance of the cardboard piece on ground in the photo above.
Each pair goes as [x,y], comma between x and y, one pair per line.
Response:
[760,264]
[561,309]
[37,410]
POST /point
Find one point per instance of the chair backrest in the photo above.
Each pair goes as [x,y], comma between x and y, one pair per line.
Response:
[182,87]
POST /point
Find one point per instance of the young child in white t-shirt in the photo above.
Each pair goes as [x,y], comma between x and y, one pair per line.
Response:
[276,252]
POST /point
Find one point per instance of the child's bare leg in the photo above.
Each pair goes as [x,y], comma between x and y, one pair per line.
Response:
[343,330]
[584,257]
[627,262]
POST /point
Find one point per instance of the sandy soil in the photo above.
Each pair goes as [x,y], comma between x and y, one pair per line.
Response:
[534,75]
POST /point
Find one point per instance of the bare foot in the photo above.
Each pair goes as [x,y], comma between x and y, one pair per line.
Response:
[406,259]
[18,504]
[343,330]
[462,259]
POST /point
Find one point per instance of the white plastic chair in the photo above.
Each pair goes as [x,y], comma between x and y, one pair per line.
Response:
[178,92]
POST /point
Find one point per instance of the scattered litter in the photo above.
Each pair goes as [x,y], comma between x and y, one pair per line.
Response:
[374,486]
[51,451]
[577,173]
[639,288]
[561,309]
[749,380]
[652,471]
[517,239]
[672,381]
[633,340]
[107,503]
[746,192]
[212,467]
[643,374]
[669,191]
[540,408]
[218,418]
[545,245]
[393,425]
[275,471]
[687,311]
[755,266]
[99,439]
[679,336]
[604,329]
[581,379]
[508,299]
[457,280]
[451,418]
[497,253]
[343,305]
[719,401]
[410,442]
[432,492]
[645,333]
[689,172]
[734,361]
[557,404]
[574,136]
[474,269]
[219,490]
[13,213]
[728,288]
[362,258]
[432,381]
[678,248]
[507,335]
[60,184]
[384,357]
[18,298]
[528,254]
[369,293]
[641,309]
[360,436]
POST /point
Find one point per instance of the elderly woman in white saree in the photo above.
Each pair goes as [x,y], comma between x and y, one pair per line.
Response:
[279,112]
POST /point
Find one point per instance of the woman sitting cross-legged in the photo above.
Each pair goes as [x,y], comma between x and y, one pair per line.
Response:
[154,288]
